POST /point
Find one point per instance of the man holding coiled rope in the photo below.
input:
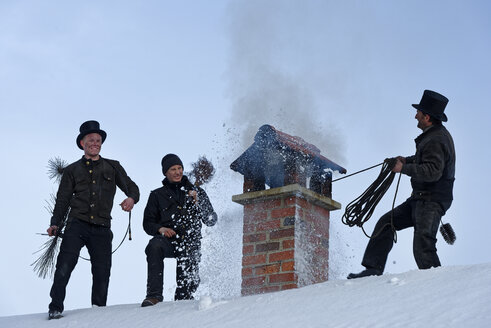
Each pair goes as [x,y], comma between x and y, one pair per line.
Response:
[432,172]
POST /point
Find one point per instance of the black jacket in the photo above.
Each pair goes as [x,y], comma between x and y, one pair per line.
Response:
[88,188]
[170,206]
[432,168]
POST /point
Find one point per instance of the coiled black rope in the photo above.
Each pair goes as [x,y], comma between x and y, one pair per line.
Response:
[361,209]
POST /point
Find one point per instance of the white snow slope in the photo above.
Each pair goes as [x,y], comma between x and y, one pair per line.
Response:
[458,296]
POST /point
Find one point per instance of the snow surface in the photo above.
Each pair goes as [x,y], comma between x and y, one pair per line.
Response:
[455,296]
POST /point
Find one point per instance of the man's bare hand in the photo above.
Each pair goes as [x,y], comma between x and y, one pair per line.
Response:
[167,232]
[398,166]
[194,194]
[127,204]
[52,230]
[402,159]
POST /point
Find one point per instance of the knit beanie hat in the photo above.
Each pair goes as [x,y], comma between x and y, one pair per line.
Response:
[170,160]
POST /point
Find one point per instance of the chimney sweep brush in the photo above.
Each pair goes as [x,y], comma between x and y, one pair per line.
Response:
[202,172]
[448,233]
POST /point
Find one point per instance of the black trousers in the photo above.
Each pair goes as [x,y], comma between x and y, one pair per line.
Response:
[424,216]
[98,241]
[188,256]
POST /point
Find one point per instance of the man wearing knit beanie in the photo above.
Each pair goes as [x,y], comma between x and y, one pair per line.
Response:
[173,217]
[170,160]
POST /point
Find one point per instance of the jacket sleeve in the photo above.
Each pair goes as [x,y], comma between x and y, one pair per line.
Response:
[432,163]
[207,213]
[124,182]
[63,198]
[151,216]
[410,159]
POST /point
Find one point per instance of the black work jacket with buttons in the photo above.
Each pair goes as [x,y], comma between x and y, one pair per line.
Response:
[170,206]
[87,190]
[432,168]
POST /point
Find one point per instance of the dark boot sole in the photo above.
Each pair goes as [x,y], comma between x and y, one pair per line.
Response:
[57,316]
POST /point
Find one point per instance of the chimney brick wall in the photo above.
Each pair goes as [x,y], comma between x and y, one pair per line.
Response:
[285,241]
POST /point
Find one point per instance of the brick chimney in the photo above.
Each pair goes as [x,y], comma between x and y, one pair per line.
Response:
[286,227]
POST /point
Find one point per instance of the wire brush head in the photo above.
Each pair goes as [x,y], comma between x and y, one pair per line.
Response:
[203,171]
[56,166]
[448,233]
[45,264]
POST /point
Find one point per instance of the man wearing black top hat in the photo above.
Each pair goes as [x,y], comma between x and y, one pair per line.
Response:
[87,190]
[173,217]
[432,172]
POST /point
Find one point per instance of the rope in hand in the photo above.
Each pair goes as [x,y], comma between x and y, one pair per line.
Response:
[349,175]
[359,211]
[45,264]
[127,233]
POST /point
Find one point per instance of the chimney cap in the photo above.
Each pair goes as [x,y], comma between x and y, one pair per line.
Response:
[251,162]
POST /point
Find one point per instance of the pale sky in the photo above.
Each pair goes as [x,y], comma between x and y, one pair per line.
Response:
[199,78]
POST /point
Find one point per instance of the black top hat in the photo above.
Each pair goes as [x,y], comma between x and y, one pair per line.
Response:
[88,128]
[433,104]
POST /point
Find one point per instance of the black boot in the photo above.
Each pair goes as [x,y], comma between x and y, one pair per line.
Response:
[365,273]
[149,301]
[53,314]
